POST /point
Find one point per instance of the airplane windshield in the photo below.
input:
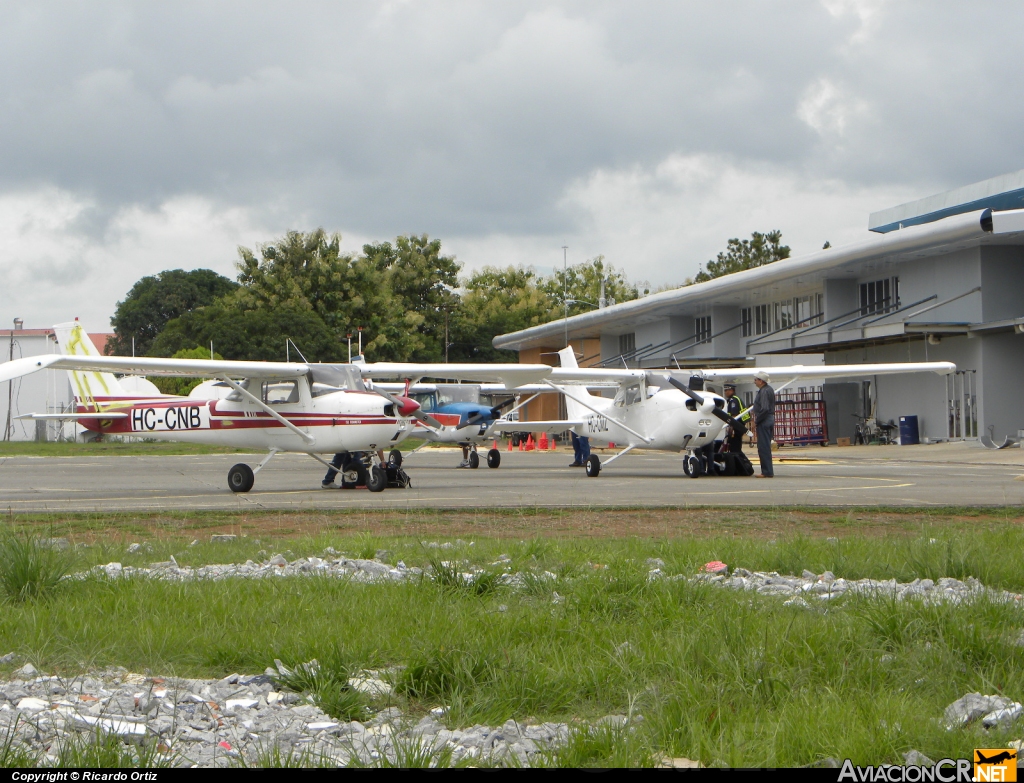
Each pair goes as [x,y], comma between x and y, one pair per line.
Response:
[427,400]
[628,395]
[330,378]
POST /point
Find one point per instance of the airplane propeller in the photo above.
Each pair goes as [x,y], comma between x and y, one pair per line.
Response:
[479,417]
[738,427]
[406,406]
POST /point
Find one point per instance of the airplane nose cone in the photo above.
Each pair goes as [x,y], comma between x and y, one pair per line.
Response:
[707,406]
[409,406]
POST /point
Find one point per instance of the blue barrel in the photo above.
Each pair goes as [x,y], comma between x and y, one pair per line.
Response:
[909,434]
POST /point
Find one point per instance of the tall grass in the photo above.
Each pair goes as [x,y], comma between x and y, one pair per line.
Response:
[30,567]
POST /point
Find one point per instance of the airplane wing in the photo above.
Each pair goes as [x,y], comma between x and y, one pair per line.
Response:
[823,371]
[595,375]
[534,426]
[71,416]
[511,375]
[144,365]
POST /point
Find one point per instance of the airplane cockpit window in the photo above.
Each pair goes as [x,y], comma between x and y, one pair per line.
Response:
[280,392]
[330,378]
[628,395]
[427,400]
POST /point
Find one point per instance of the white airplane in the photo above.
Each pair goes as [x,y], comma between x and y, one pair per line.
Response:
[313,409]
[657,409]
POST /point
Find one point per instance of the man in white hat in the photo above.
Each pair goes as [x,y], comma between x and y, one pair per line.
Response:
[764,422]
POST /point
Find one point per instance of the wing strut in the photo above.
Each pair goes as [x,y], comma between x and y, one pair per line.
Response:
[616,422]
[267,409]
[626,450]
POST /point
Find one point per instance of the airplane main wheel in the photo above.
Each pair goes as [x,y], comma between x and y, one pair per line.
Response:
[378,479]
[493,458]
[241,478]
[395,458]
[354,475]
[593,466]
[474,460]
[691,467]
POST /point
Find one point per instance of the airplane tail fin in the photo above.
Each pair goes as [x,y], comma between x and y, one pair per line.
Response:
[573,408]
[88,387]
[568,357]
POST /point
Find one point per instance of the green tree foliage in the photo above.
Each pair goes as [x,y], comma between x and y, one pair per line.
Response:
[253,335]
[308,272]
[580,285]
[182,386]
[156,299]
[424,283]
[496,301]
[742,254]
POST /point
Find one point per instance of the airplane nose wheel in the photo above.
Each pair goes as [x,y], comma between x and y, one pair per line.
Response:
[241,478]
[692,467]
[593,466]
[377,480]
[474,459]
[493,458]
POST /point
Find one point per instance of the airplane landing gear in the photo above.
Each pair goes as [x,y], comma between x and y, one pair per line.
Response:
[474,459]
[395,458]
[241,478]
[692,466]
[377,479]
[593,466]
[493,458]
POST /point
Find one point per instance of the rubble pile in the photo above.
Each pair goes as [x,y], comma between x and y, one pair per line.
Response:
[244,720]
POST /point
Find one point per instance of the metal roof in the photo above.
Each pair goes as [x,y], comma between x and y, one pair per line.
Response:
[942,236]
[999,193]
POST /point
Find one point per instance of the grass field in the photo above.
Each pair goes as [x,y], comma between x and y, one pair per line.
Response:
[728,678]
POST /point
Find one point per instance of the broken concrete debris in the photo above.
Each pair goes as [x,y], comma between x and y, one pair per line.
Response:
[240,718]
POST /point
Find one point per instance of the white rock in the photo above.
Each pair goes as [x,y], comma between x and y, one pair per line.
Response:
[371,686]
[27,672]
[321,725]
[1005,716]
[28,704]
[240,704]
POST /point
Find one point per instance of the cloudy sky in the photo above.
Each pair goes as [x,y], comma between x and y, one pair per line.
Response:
[137,137]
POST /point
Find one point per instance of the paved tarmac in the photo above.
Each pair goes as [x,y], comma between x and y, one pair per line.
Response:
[936,475]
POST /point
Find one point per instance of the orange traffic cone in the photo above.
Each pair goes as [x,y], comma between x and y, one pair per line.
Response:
[611,445]
[530,446]
[509,445]
[542,444]
[553,444]
[522,445]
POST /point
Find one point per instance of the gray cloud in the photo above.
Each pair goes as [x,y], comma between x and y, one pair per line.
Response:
[472,120]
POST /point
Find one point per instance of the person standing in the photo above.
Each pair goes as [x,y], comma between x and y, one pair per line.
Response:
[734,408]
[580,450]
[764,422]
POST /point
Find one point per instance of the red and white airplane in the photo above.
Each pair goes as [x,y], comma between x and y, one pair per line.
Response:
[273,406]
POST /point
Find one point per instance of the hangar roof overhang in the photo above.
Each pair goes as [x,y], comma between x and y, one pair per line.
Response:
[931,239]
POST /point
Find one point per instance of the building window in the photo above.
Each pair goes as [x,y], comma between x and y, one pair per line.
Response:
[761,319]
[808,310]
[627,343]
[880,296]
[703,329]
[745,317]
[783,315]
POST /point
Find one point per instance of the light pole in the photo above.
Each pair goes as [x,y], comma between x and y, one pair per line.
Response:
[18,324]
[565,291]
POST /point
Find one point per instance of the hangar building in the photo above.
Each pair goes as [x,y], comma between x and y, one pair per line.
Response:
[940,281]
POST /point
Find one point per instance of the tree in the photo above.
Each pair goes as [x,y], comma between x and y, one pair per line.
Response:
[424,282]
[252,335]
[580,284]
[496,301]
[156,299]
[743,254]
[309,272]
